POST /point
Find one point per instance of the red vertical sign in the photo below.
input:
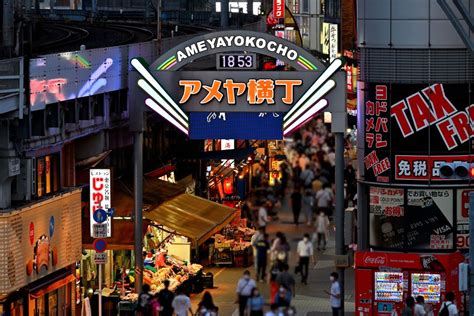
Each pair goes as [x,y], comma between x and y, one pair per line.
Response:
[279,9]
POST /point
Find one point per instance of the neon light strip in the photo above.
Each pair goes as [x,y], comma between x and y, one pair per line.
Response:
[152,104]
[165,62]
[306,116]
[151,92]
[84,62]
[308,62]
[333,68]
[302,65]
[302,61]
[174,63]
[167,65]
[147,75]
[328,86]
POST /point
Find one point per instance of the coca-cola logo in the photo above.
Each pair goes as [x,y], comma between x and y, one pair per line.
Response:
[375,260]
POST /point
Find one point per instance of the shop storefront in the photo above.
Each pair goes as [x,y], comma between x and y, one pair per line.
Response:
[43,244]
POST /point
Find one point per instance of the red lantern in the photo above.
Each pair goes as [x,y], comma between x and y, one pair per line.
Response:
[228,185]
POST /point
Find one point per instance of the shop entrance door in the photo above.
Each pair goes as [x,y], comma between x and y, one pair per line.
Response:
[64,300]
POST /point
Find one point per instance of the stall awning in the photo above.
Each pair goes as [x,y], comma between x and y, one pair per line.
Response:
[192,216]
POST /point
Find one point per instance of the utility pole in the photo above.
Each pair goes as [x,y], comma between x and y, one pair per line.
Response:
[158,25]
[224,14]
[138,205]
[340,247]
[471,253]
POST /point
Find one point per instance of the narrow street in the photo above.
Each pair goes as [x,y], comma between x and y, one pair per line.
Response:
[310,299]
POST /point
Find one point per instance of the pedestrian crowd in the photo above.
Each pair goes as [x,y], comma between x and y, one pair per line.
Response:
[417,307]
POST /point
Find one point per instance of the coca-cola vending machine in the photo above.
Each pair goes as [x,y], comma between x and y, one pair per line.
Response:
[384,280]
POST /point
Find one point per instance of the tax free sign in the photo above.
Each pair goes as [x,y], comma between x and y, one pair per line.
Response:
[294,97]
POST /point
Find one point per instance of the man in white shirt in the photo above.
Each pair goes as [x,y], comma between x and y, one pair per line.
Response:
[420,306]
[181,304]
[305,252]
[450,305]
[244,290]
[335,294]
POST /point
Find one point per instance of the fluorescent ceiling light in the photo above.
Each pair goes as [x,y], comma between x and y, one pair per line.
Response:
[333,68]
[149,77]
[152,104]
[328,86]
[148,89]
[306,116]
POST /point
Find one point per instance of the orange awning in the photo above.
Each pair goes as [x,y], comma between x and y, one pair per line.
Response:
[53,286]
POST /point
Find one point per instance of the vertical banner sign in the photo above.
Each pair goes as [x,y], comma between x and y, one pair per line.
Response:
[333,41]
[279,9]
[462,218]
[100,196]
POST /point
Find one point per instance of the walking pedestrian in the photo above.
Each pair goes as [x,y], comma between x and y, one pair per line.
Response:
[280,248]
[322,229]
[255,303]
[296,198]
[155,305]
[335,294]
[206,306]
[253,241]
[408,310]
[305,253]
[244,290]
[262,219]
[449,308]
[308,205]
[420,306]
[283,298]
[286,280]
[181,304]
[165,298]
[262,247]
[144,307]
[273,311]
[324,199]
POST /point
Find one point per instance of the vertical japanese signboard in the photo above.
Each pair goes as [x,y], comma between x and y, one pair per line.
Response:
[333,41]
[279,9]
[100,195]
[462,218]
[377,154]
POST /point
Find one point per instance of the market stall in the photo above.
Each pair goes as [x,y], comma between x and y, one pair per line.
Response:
[232,245]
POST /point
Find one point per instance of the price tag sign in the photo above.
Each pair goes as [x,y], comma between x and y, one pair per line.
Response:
[99,230]
[100,257]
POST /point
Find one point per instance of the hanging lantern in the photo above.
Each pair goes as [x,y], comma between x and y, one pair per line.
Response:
[228,185]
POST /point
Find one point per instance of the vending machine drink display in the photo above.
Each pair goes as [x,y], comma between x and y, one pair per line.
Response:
[427,285]
[384,280]
[388,286]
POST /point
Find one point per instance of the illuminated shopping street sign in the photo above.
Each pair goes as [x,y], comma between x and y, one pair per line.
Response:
[292,97]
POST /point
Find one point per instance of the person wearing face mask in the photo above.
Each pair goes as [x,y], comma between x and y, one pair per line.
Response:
[244,290]
[335,294]
[305,253]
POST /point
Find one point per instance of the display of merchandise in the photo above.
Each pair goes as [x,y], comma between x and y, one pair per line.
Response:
[389,286]
[426,285]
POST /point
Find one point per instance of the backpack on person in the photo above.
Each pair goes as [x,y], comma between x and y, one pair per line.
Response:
[444,311]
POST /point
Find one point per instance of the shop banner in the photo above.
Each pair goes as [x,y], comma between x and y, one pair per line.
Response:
[279,9]
[418,167]
[39,240]
[100,196]
[462,206]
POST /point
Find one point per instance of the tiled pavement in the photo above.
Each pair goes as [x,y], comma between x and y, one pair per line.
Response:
[310,299]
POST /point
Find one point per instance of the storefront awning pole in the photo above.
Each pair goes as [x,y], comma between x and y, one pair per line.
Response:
[138,204]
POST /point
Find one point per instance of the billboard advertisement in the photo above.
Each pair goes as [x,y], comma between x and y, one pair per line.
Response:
[410,130]
[40,239]
[403,218]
